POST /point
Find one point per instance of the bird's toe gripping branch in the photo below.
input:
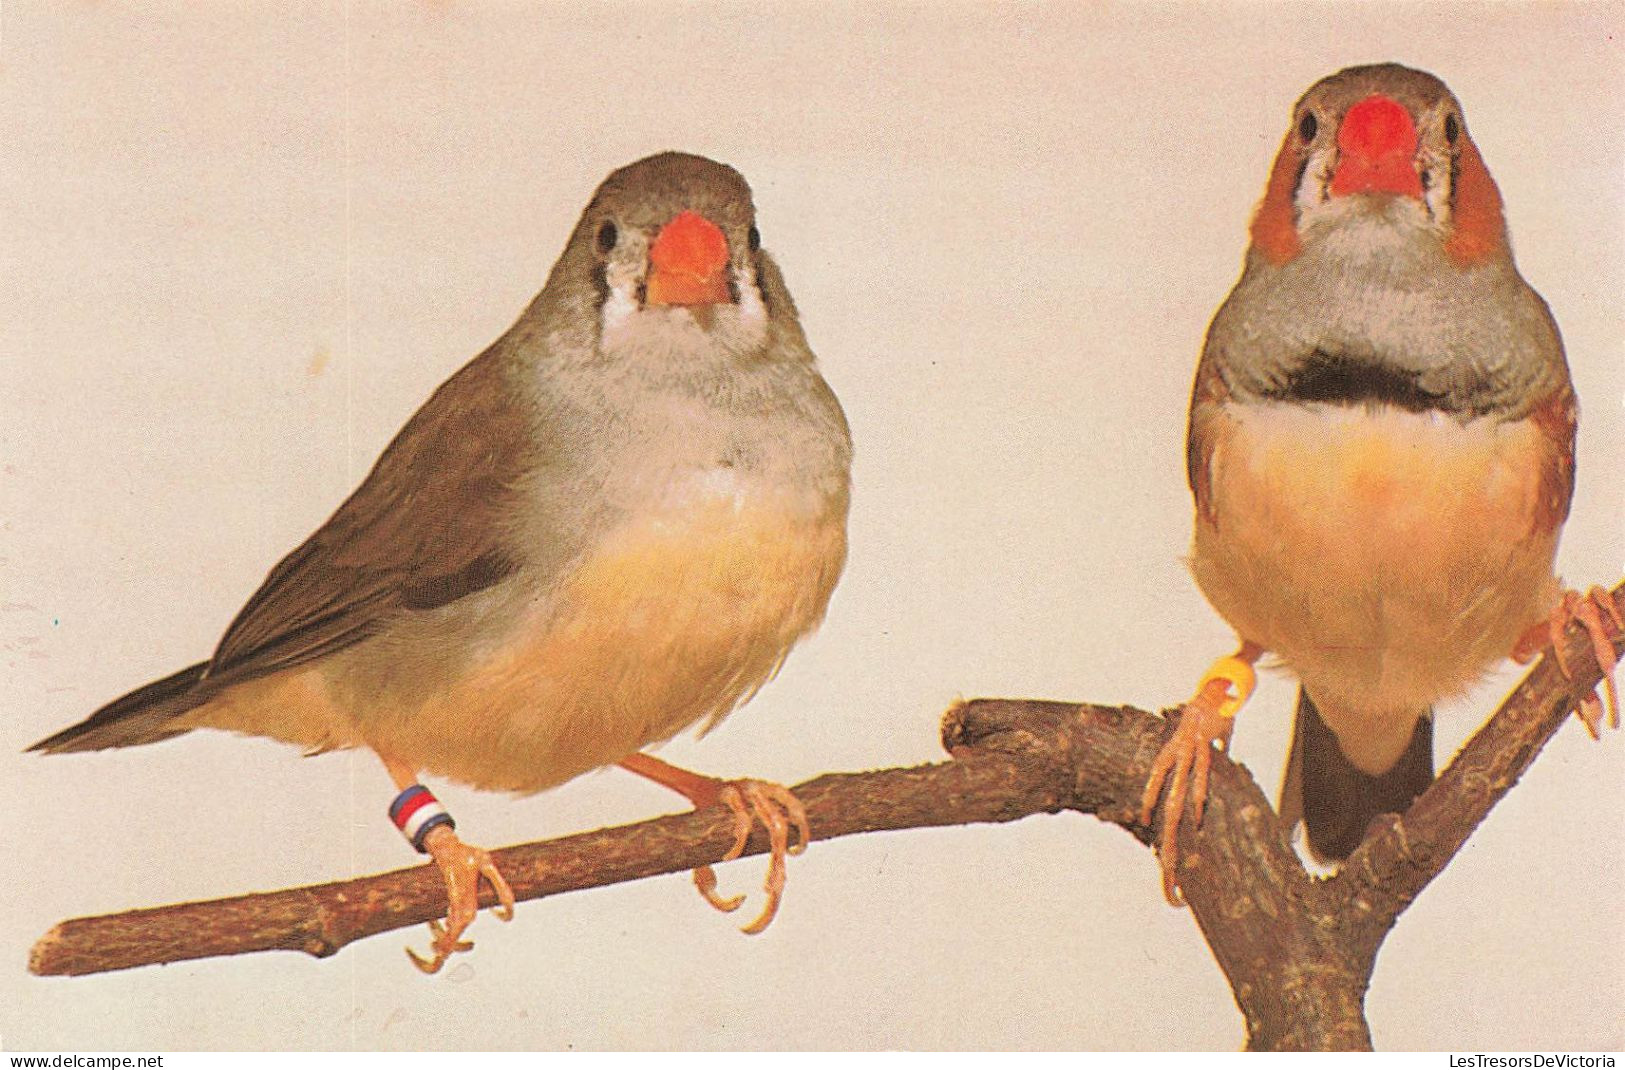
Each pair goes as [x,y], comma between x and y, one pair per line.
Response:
[774,805]
[777,808]
[1597,613]
[1184,762]
[463,866]
[429,828]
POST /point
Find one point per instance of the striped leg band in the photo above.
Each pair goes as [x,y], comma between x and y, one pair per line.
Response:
[415,811]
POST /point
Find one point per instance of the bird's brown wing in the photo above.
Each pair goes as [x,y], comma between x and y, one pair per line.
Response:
[1207,394]
[1557,419]
[421,531]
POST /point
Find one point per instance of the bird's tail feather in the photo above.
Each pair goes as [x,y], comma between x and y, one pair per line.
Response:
[1335,800]
[145,715]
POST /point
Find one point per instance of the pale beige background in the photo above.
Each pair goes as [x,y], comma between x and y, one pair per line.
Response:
[242,244]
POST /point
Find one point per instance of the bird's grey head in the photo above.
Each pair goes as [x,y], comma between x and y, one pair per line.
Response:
[669,251]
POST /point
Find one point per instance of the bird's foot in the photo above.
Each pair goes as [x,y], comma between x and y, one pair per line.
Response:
[1206,721]
[1596,612]
[777,808]
[462,866]
[751,801]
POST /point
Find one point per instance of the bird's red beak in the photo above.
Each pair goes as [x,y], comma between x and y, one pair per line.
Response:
[1377,150]
[687,263]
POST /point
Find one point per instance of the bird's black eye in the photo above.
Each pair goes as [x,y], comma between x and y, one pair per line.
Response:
[1307,127]
[1452,129]
[754,239]
[607,237]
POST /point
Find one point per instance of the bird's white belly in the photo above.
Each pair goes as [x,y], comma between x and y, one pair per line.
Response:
[1388,558]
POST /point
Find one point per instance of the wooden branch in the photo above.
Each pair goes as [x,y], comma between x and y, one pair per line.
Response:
[1298,952]
[1265,919]
[1389,870]
[321,919]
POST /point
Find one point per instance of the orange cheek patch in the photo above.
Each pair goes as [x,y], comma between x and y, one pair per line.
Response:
[1275,228]
[1478,227]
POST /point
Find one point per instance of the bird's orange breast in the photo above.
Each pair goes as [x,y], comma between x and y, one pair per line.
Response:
[673,620]
[1389,558]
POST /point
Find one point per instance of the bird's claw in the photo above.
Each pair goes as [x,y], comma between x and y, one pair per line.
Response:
[462,865]
[705,879]
[1597,613]
[777,808]
[442,946]
[1186,759]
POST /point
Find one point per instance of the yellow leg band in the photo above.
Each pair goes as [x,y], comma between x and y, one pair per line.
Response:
[1241,677]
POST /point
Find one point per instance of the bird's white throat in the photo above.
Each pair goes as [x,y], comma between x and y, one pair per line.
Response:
[629,326]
